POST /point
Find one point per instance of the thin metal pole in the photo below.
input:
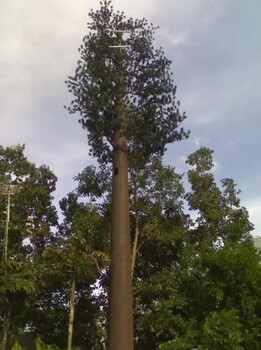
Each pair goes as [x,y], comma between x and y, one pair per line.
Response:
[6,189]
[7,222]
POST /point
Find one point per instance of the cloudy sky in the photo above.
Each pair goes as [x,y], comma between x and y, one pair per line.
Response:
[215,47]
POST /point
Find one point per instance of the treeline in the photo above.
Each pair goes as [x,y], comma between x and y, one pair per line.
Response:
[196,273]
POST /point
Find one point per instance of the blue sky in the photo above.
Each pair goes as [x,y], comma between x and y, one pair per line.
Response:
[215,47]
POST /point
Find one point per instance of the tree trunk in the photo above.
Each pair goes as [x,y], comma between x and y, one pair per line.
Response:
[71,315]
[6,325]
[120,327]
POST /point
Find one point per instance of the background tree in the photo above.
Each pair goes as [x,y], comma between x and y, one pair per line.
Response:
[77,257]
[31,218]
[157,197]
[220,216]
[219,276]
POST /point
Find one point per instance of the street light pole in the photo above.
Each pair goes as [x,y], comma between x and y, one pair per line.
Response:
[7,222]
[7,189]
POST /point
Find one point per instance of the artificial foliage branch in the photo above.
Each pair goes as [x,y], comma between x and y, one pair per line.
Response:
[153,115]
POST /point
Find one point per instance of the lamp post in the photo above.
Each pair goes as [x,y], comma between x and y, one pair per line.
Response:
[7,189]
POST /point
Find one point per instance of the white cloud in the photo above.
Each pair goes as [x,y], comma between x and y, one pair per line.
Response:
[216,165]
[253,206]
[197,142]
[180,39]
[183,159]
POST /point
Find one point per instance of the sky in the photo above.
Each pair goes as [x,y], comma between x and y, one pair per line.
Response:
[215,48]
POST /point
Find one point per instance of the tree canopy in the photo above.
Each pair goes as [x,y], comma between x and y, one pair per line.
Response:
[138,72]
[196,279]
[27,217]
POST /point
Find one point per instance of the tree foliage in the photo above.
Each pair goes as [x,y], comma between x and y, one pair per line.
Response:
[77,257]
[196,276]
[146,84]
[219,274]
[32,216]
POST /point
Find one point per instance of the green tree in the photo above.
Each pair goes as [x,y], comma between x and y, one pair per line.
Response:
[26,231]
[196,281]
[220,216]
[220,277]
[159,229]
[76,257]
[126,99]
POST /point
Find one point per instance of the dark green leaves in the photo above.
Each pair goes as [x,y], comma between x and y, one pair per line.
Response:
[138,73]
